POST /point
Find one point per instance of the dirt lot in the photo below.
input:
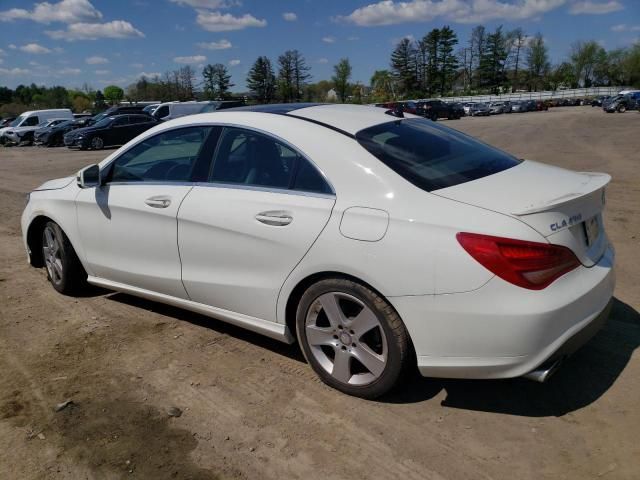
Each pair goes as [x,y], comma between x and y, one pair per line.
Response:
[251,406]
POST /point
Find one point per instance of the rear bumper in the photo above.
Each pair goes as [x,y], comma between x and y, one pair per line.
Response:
[503,331]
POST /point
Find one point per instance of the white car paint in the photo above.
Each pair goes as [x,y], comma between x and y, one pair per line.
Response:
[35,117]
[209,253]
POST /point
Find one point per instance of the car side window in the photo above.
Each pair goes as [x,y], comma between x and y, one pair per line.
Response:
[166,157]
[31,122]
[250,158]
[162,111]
[121,121]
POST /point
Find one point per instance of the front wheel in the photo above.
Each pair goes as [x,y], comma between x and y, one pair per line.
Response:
[352,338]
[97,143]
[64,270]
[622,109]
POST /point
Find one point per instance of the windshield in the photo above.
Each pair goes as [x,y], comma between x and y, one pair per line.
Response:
[105,122]
[431,156]
[65,123]
[17,121]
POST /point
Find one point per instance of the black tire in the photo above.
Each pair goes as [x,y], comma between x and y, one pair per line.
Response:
[97,143]
[71,277]
[398,347]
[622,109]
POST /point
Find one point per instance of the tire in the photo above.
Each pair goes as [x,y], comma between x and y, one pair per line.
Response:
[622,109]
[361,347]
[64,270]
[97,143]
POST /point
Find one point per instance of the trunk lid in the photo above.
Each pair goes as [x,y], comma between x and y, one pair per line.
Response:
[563,206]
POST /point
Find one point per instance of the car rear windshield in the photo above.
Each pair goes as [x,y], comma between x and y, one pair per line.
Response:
[431,156]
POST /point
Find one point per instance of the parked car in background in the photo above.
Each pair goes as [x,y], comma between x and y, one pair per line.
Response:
[480,110]
[149,109]
[170,110]
[110,131]
[622,103]
[458,109]
[518,106]
[24,135]
[111,111]
[82,115]
[34,118]
[5,122]
[435,109]
[53,136]
[467,107]
[541,105]
[598,101]
[496,108]
[215,105]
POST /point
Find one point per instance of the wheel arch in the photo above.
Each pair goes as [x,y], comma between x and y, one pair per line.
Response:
[296,294]
[34,239]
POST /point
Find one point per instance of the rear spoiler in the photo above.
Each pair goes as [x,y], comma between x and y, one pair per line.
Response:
[593,182]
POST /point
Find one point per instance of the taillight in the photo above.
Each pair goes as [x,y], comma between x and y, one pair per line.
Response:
[529,265]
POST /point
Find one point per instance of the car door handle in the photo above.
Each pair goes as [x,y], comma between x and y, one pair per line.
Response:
[276,218]
[158,201]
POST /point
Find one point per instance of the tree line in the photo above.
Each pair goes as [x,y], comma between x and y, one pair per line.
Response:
[437,64]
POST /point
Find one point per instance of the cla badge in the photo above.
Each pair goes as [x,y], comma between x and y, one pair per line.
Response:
[567,222]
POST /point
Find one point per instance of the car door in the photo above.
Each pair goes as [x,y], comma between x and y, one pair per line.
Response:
[128,225]
[243,232]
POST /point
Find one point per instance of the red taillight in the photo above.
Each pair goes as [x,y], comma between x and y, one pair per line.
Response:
[529,265]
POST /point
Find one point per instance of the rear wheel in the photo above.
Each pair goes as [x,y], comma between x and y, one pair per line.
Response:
[97,143]
[352,338]
[622,109]
[64,270]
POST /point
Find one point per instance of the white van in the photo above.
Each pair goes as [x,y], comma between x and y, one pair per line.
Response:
[171,110]
[36,117]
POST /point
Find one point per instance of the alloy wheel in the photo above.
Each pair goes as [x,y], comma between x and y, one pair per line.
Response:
[52,251]
[97,143]
[346,338]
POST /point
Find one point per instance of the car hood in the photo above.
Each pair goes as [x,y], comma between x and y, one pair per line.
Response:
[553,201]
[55,184]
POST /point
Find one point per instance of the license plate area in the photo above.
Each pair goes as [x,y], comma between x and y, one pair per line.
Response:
[591,230]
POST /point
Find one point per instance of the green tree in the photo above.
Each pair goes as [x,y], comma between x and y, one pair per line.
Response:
[446,59]
[585,57]
[342,74]
[492,61]
[113,94]
[429,52]
[538,61]
[382,85]
[293,74]
[217,81]
[403,66]
[261,80]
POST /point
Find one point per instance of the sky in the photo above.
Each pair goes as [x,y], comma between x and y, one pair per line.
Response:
[103,42]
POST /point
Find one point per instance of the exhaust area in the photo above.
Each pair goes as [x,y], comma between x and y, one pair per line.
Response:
[544,372]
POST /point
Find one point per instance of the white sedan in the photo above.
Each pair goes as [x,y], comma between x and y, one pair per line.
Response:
[378,241]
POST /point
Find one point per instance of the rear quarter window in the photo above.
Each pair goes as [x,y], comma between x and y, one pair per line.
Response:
[431,156]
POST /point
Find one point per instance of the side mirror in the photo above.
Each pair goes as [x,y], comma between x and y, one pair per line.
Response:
[89,177]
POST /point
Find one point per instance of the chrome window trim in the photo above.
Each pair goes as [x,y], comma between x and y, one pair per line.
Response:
[232,186]
[234,125]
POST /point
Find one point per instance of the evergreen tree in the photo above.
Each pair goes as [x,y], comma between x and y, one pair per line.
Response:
[493,60]
[403,66]
[261,80]
[217,81]
[431,44]
[446,59]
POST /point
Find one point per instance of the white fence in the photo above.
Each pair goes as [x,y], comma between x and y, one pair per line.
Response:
[547,95]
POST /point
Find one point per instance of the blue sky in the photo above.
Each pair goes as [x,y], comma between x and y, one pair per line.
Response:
[69,42]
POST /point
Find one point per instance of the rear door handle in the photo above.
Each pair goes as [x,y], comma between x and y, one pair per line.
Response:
[276,218]
[158,201]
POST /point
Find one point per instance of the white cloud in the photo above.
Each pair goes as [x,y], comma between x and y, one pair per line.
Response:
[70,71]
[149,74]
[14,71]
[34,48]
[396,40]
[595,8]
[96,60]
[93,31]
[218,22]
[2,52]
[12,46]
[1,61]
[103,72]
[329,39]
[190,59]
[66,11]
[323,60]
[220,45]
[290,16]
[234,63]
[211,4]
[389,12]
[136,65]
[353,38]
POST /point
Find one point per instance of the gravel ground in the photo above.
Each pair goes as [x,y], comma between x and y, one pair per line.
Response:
[251,408]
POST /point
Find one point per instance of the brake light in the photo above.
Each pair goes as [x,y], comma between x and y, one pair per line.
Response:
[529,265]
